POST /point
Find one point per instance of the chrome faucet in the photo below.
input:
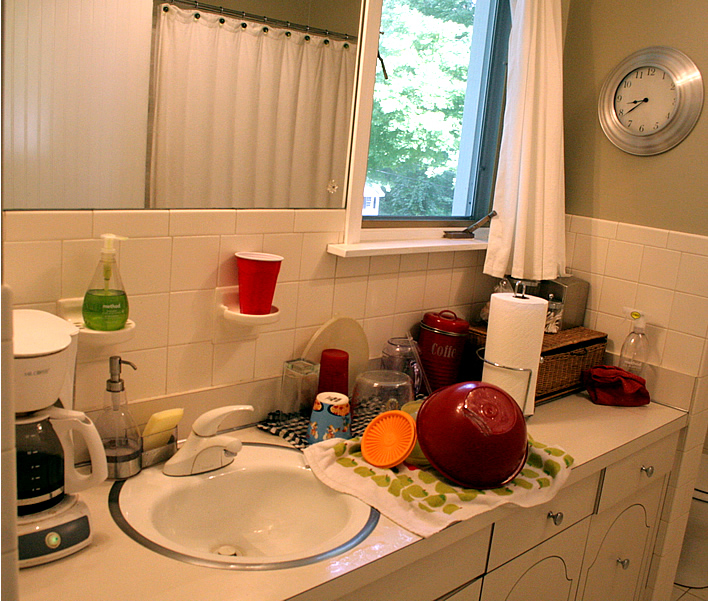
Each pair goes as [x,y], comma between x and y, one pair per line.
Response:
[205,450]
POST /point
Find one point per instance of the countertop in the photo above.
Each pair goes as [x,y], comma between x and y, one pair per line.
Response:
[116,568]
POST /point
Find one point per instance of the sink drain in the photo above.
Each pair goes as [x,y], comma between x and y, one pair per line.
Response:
[228,551]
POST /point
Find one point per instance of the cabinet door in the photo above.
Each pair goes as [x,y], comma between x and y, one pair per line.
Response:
[618,548]
[549,571]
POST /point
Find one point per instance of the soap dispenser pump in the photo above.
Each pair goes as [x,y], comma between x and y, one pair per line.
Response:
[117,428]
[105,304]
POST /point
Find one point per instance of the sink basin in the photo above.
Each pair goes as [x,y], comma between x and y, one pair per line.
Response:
[266,510]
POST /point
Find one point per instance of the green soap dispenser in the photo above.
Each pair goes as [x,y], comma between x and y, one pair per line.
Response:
[118,431]
[105,304]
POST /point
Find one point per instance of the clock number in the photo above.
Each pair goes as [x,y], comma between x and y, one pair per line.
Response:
[641,128]
[673,86]
[619,98]
[639,75]
[656,125]
[627,84]
[651,71]
[621,112]
[629,122]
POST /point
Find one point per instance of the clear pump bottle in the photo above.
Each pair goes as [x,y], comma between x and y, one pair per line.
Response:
[117,428]
[105,304]
[635,349]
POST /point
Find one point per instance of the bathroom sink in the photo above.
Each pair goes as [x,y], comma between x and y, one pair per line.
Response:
[266,510]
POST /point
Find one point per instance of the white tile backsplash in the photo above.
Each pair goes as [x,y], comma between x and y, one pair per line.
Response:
[174,260]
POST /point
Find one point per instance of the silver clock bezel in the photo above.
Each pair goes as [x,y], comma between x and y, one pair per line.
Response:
[689,101]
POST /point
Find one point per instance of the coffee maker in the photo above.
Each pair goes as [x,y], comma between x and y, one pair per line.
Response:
[52,521]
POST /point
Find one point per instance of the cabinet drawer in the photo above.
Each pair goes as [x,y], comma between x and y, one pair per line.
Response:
[434,576]
[640,469]
[527,528]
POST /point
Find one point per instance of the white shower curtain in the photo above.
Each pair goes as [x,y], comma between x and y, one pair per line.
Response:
[244,118]
[527,238]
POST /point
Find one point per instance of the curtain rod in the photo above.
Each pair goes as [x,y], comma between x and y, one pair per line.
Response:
[262,19]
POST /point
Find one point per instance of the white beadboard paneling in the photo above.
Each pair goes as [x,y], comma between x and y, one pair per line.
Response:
[194,262]
[202,222]
[189,367]
[46,225]
[144,264]
[76,78]
[33,270]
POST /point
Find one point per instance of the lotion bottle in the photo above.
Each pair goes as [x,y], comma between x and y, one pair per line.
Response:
[117,428]
[105,304]
[635,349]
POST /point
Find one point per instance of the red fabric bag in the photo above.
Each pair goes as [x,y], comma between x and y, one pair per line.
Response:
[608,385]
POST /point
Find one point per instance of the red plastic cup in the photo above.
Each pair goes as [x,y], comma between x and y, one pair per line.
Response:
[257,276]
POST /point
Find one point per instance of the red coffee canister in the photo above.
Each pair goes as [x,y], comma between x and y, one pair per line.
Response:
[441,342]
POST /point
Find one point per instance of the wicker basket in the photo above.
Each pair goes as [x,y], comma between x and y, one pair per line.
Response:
[563,357]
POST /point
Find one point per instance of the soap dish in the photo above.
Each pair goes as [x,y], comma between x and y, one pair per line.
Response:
[165,450]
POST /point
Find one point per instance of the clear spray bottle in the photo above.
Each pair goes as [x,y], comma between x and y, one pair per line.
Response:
[635,349]
[105,304]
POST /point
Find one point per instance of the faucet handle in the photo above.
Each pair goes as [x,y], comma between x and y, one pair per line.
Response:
[207,424]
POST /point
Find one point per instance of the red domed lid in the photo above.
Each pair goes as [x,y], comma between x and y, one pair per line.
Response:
[446,321]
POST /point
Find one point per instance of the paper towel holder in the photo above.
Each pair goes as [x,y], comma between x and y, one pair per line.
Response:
[480,355]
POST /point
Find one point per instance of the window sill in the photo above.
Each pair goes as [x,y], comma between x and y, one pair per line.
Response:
[414,243]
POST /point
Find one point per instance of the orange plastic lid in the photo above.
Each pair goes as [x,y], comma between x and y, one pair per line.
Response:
[389,439]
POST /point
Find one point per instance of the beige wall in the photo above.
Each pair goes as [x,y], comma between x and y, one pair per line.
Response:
[669,190]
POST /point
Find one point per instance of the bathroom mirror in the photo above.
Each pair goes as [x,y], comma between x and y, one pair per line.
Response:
[79,121]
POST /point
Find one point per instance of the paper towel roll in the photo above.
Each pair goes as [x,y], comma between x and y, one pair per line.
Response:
[514,340]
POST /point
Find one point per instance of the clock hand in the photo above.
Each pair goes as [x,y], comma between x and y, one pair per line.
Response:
[636,104]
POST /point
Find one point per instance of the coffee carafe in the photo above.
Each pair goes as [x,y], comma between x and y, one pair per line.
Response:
[52,521]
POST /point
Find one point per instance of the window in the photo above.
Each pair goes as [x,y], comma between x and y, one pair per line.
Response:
[437,110]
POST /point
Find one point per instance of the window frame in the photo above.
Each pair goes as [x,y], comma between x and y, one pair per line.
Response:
[359,228]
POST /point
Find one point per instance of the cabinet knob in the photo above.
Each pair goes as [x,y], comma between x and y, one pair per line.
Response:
[648,470]
[624,563]
[556,517]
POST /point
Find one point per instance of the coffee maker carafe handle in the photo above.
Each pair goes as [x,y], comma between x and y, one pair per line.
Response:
[64,422]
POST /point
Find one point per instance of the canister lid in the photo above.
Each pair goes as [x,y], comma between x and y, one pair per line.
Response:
[38,333]
[446,321]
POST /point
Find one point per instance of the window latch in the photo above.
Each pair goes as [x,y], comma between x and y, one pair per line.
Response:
[468,232]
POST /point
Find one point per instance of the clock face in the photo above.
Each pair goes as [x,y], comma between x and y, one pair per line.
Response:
[645,100]
[651,101]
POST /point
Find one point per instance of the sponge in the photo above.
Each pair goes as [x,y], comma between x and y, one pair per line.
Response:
[159,428]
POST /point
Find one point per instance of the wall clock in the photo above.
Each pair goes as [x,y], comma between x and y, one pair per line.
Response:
[651,101]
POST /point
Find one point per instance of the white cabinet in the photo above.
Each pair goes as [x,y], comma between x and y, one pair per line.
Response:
[549,571]
[618,548]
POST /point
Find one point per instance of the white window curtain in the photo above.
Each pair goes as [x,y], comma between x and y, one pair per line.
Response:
[243,118]
[527,238]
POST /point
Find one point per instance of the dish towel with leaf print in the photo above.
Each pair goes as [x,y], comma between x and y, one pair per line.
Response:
[423,501]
